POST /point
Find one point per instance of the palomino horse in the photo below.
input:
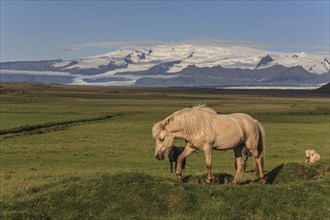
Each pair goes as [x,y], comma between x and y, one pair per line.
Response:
[203,129]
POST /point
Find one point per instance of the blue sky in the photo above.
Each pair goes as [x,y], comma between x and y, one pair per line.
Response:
[38,30]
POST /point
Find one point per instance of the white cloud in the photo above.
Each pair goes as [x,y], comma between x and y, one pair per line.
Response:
[224,43]
[110,44]
[150,43]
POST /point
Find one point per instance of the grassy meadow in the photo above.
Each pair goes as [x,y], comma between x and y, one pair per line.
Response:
[101,165]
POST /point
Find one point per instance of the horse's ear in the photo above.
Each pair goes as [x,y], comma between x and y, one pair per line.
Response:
[165,123]
[168,120]
[162,126]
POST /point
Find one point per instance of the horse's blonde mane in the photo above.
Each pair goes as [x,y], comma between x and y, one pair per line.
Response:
[204,108]
[191,120]
[156,130]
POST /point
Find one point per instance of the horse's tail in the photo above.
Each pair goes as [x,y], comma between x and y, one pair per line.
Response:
[261,144]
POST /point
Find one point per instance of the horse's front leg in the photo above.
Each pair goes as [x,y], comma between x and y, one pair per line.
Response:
[208,161]
[188,150]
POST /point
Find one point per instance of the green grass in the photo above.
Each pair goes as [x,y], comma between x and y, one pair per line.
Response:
[106,169]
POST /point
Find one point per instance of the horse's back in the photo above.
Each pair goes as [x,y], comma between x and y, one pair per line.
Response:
[234,129]
[246,121]
[235,120]
[242,116]
[228,132]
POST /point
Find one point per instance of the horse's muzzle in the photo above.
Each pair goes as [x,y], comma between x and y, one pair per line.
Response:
[160,156]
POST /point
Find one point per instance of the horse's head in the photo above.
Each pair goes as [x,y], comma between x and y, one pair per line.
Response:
[164,140]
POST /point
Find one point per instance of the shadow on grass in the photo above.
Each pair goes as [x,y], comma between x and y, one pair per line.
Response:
[271,176]
[224,178]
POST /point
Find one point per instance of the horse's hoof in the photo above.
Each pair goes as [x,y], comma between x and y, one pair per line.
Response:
[179,176]
[209,181]
[263,180]
[235,182]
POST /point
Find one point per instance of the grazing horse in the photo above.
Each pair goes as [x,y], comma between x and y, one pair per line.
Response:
[203,129]
[173,157]
[245,156]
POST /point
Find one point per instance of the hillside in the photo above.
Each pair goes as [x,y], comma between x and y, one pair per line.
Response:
[324,89]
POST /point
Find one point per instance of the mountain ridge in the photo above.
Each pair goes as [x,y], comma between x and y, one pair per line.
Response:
[174,64]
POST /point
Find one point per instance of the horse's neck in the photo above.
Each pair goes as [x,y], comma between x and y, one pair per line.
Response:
[180,135]
[176,131]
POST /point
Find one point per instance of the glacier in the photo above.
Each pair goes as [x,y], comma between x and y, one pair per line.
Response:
[170,63]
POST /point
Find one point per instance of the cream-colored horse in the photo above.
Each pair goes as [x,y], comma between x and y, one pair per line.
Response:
[203,129]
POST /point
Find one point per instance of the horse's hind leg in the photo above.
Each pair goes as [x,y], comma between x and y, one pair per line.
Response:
[261,172]
[258,166]
[238,174]
[252,145]
[239,163]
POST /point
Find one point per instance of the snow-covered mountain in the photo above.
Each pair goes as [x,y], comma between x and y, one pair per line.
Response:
[170,63]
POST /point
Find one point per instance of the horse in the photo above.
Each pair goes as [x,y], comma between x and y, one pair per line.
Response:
[204,129]
[173,157]
[245,156]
